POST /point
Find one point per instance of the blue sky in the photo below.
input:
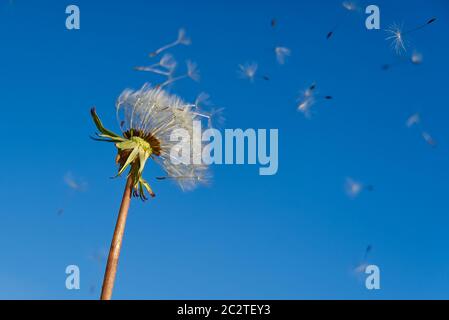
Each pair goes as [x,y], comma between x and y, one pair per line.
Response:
[294,235]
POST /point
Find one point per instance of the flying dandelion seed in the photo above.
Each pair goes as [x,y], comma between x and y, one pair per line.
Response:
[353,188]
[368,250]
[428,138]
[350,7]
[308,98]
[361,267]
[166,66]
[149,116]
[214,116]
[415,58]
[192,73]
[182,39]
[74,183]
[281,54]
[203,99]
[248,71]
[397,36]
[413,120]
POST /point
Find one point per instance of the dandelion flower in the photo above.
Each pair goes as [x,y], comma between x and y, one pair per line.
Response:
[148,117]
[182,39]
[281,54]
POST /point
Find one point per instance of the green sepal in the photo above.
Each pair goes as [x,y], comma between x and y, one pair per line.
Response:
[100,127]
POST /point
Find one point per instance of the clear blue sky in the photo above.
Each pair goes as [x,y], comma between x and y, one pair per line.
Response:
[295,235]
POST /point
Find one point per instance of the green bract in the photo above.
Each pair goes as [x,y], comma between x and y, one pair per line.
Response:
[132,152]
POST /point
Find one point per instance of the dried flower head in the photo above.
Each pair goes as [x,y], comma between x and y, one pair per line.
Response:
[148,117]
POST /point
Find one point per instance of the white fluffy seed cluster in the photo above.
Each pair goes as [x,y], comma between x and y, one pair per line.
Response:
[154,111]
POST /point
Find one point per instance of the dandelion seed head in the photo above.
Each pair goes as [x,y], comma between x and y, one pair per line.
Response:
[155,114]
[281,54]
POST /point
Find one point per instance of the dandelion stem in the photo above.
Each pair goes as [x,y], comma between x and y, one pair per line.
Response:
[116,244]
